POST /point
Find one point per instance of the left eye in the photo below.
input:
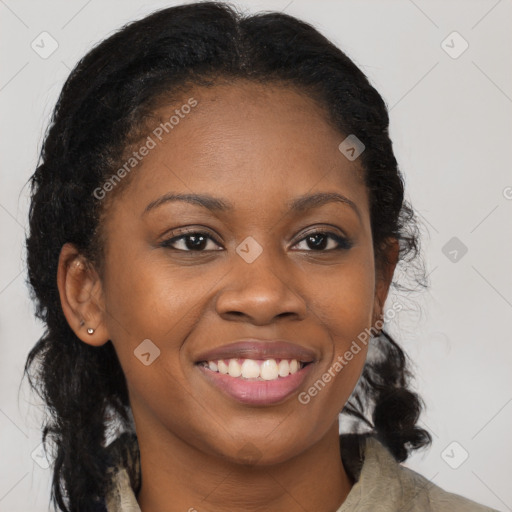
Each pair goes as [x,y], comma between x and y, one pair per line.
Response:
[319,239]
[197,241]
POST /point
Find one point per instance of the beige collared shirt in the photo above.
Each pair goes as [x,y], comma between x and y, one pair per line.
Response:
[382,485]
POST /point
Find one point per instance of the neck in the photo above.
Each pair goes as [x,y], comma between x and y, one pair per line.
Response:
[176,477]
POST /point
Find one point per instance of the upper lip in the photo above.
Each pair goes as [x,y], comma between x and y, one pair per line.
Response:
[259,349]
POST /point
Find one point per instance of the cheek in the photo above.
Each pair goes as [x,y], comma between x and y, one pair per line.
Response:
[148,299]
[343,298]
[344,306]
[151,310]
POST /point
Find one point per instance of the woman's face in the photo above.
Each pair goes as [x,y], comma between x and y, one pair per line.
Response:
[256,271]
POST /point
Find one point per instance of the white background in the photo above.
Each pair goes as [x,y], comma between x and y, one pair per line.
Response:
[451,125]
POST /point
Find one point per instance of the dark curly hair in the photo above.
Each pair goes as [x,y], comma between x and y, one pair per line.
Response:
[101,111]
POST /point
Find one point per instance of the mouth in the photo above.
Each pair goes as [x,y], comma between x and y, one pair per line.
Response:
[255,369]
[255,372]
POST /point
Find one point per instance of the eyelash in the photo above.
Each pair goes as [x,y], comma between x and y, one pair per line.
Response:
[343,243]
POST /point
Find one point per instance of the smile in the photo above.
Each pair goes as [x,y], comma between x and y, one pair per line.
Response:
[267,369]
[253,381]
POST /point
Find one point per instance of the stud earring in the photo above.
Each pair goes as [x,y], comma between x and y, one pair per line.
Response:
[90,330]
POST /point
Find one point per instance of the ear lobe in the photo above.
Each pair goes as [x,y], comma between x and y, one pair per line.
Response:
[81,296]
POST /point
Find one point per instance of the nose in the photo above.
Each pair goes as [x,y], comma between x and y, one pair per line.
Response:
[260,292]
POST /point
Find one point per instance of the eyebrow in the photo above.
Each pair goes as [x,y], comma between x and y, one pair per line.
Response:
[215,204]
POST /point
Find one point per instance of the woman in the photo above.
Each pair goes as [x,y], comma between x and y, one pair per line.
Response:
[214,227]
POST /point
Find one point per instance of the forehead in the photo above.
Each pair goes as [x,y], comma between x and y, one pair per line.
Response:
[246,141]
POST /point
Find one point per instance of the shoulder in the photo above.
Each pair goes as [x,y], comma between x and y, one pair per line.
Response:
[434,497]
[386,485]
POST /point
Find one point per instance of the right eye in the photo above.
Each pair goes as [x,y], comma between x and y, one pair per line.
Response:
[192,241]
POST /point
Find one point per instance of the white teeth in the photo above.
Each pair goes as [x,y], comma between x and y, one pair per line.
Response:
[284,368]
[250,369]
[234,368]
[268,369]
[223,367]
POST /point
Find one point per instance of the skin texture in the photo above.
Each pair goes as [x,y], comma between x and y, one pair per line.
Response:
[257,147]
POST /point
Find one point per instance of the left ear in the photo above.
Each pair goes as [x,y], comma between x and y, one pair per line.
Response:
[81,296]
[384,270]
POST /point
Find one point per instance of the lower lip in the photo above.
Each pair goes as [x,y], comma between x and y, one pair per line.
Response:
[257,392]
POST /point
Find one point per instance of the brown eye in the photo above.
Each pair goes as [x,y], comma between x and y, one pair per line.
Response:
[319,241]
[194,241]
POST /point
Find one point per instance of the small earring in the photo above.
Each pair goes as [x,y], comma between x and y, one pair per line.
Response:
[90,330]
